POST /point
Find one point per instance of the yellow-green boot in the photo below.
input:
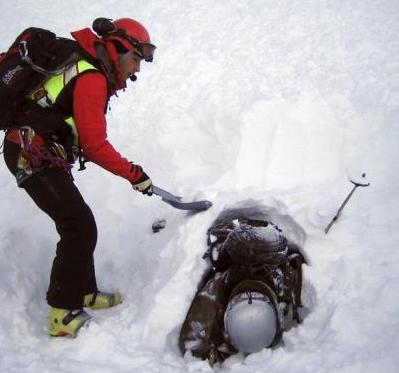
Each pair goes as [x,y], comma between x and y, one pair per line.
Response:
[100,300]
[66,323]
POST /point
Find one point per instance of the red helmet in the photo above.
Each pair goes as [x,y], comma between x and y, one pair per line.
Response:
[131,34]
[133,28]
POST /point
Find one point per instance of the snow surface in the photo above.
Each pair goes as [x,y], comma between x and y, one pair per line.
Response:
[262,102]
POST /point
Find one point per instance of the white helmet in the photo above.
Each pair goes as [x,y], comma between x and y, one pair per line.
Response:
[251,321]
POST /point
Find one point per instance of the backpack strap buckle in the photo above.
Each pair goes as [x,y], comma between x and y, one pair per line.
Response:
[23,50]
[26,135]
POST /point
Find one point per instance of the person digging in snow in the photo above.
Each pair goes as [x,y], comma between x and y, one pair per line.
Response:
[79,96]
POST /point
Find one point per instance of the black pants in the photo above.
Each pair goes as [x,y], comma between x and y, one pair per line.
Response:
[53,191]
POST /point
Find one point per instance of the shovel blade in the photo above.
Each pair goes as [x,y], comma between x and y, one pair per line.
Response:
[176,202]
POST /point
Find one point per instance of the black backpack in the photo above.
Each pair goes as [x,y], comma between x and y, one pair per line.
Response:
[35,55]
[234,245]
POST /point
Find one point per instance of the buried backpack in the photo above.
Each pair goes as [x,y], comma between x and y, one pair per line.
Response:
[249,295]
[257,249]
[35,55]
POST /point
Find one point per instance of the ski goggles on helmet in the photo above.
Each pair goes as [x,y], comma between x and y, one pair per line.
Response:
[144,51]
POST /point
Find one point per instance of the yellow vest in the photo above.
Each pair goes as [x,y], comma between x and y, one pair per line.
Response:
[53,86]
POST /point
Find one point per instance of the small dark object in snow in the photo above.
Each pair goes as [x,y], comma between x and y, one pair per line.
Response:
[158,225]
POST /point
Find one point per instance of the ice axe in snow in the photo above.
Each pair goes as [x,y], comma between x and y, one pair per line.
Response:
[176,202]
[356,185]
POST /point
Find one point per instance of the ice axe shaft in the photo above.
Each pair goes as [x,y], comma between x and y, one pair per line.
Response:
[335,218]
[176,202]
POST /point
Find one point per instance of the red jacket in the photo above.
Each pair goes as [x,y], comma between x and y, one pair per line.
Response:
[90,97]
[89,101]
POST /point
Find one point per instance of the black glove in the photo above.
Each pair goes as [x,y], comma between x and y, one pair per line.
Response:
[143,185]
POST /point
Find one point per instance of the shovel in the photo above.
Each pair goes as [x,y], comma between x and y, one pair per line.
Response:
[176,202]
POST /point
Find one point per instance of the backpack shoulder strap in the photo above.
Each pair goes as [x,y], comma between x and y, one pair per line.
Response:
[76,69]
